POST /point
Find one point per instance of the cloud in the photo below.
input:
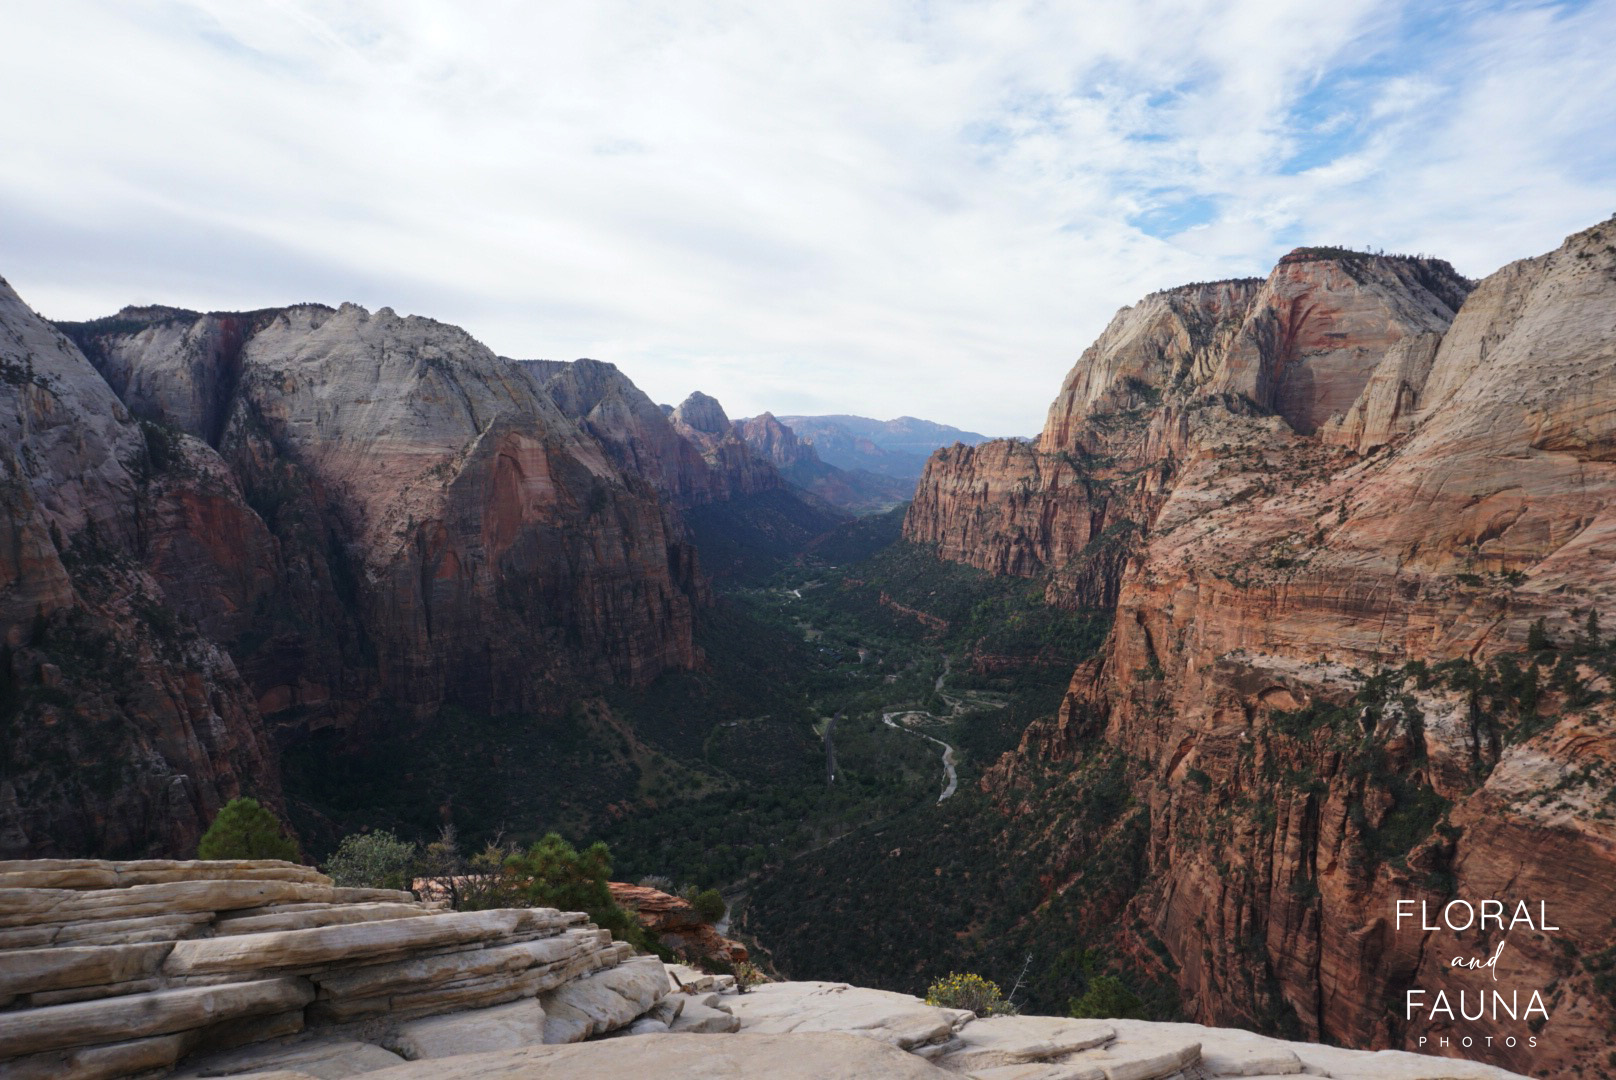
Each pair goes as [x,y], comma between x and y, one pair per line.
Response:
[881,208]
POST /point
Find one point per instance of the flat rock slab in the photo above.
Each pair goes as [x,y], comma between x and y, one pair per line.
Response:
[1231,1050]
[324,945]
[29,971]
[899,1019]
[605,1001]
[339,914]
[32,907]
[816,1056]
[504,1027]
[104,874]
[87,1023]
[321,1059]
[1015,1040]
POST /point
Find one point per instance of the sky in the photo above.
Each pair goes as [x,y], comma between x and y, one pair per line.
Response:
[880,208]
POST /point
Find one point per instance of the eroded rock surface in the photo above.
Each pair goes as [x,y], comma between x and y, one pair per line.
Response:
[1281,488]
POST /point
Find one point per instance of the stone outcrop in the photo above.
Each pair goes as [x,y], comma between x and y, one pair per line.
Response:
[1355,465]
[210,976]
[676,924]
[515,992]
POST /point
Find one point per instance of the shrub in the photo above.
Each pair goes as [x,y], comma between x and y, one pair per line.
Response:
[659,882]
[246,830]
[1107,998]
[747,976]
[376,860]
[553,873]
[972,992]
[709,905]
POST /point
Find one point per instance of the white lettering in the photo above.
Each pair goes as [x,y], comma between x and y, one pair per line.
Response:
[1536,1004]
[1543,916]
[1441,1005]
[1400,914]
[1494,910]
[1470,911]
[1412,1003]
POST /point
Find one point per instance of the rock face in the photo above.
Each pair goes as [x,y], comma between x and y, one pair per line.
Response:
[491,549]
[1284,487]
[736,469]
[675,923]
[123,722]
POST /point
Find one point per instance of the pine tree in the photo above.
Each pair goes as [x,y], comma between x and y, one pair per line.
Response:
[246,830]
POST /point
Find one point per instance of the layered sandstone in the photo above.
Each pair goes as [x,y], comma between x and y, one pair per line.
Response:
[676,925]
[495,550]
[1331,482]
[115,969]
[124,721]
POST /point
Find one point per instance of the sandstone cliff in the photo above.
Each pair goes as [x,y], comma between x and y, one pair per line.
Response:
[1358,466]
[445,532]
[124,724]
[295,518]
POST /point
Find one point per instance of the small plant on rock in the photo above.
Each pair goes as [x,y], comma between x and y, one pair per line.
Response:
[971,992]
[747,976]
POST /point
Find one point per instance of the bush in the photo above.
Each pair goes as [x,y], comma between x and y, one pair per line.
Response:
[973,992]
[377,860]
[246,830]
[709,905]
[553,873]
[1107,998]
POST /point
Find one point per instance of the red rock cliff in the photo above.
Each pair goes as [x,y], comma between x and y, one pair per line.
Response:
[1334,482]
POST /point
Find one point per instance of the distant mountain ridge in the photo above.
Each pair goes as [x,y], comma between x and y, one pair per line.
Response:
[897,448]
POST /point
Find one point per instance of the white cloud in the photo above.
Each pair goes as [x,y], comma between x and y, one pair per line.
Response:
[830,206]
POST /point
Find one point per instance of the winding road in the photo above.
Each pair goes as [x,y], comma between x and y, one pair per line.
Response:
[949,772]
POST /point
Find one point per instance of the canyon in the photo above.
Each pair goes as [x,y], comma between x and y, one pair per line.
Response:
[230,531]
[1328,550]
[1355,523]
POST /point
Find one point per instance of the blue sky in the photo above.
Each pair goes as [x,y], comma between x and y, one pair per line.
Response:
[880,208]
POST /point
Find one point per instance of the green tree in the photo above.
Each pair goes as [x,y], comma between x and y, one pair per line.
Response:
[374,860]
[1537,638]
[245,829]
[1107,998]
[709,905]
